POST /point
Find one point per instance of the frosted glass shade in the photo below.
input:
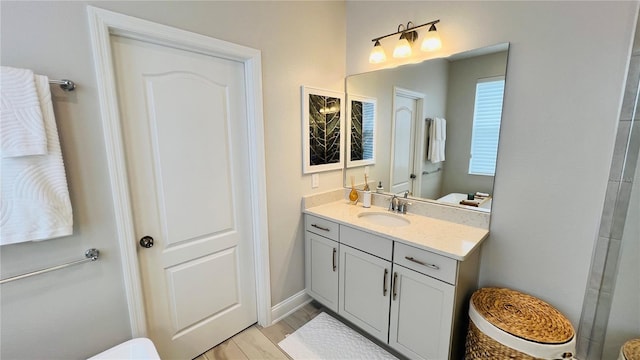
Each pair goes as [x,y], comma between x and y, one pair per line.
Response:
[403,49]
[431,41]
[377,54]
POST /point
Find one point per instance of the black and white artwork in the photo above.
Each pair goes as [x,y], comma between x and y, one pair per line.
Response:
[361,112]
[323,129]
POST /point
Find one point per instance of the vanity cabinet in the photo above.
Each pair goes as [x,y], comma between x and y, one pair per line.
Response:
[321,261]
[412,299]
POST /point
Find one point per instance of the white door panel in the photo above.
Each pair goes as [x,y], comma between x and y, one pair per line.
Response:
[189,309]
[183,118]
[179,162]
[405,118]
[364,291]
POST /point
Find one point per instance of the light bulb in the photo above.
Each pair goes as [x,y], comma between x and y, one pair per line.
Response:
[377,54]
[431,40]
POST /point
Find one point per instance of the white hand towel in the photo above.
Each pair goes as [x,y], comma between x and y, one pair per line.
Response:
[21,124]
[34,198]
[438,136]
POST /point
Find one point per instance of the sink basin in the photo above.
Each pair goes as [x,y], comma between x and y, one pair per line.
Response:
[385,219]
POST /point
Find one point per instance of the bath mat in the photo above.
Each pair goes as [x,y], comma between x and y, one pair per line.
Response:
[326,338]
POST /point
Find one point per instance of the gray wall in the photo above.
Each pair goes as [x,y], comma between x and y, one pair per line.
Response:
[80,311]
[463,76]
[564,89]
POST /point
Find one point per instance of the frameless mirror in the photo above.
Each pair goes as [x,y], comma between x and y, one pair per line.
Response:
[436,126]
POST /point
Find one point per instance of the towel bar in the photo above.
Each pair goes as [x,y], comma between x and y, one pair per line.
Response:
[90,255]
[424,172]
[66,85]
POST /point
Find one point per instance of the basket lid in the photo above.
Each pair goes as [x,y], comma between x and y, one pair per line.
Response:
[522,315]
[631,349]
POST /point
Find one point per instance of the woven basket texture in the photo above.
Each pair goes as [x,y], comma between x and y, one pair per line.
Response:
[522,315]
[479,346]
[631,349]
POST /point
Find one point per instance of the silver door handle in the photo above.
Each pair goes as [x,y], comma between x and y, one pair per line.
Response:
[384,283]
[433,266]
[334,259]
[395,285]
[320,227]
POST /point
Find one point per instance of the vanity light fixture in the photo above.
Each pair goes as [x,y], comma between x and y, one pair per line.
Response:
[408,35]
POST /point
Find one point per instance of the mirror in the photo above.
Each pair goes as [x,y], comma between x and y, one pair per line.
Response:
[361,117]
[430,118]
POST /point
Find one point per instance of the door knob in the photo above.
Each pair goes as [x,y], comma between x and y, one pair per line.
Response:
[146,242]
[413,176]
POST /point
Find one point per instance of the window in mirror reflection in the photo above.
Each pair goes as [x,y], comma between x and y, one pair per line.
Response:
[486,126]
[361,138]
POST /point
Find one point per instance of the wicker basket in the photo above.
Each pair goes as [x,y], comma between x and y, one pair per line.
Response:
[631,350]
[507,324]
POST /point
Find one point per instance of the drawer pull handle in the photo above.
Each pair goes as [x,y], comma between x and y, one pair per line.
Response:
[320,227]
[395,285]
[384,283]
[434,267]
[334,259]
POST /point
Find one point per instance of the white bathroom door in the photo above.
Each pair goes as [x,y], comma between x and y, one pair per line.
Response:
[183,117]
[402,157]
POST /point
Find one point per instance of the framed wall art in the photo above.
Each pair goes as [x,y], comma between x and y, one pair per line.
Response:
[322,130]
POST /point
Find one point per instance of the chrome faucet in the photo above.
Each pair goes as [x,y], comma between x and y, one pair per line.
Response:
[397,205]
[393,203]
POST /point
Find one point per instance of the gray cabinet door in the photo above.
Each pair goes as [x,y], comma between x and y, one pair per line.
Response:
[321,270]
[421,315]
[365,285]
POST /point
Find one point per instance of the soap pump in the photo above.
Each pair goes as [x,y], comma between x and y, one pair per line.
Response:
[366,193]
[379,189]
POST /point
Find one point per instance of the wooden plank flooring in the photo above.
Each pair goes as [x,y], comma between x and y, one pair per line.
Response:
[257,342]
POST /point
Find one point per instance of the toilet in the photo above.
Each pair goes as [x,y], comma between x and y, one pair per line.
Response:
[138,349]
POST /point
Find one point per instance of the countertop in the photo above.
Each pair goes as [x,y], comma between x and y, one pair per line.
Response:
[453,240]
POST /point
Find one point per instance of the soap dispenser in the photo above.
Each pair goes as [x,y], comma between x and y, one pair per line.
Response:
[379,189]
[353,195]
[366,193]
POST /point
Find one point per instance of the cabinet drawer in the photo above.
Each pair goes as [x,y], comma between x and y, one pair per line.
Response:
[366,242]
[320,226]
[426,262]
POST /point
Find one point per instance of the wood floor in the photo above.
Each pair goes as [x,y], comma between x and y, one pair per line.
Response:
[257,342]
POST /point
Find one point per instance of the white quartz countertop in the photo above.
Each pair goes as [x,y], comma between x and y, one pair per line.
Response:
[443,237]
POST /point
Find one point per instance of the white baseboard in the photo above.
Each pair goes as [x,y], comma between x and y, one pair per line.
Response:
[288,306]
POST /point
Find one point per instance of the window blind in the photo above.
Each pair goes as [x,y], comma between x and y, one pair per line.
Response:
[487,113]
